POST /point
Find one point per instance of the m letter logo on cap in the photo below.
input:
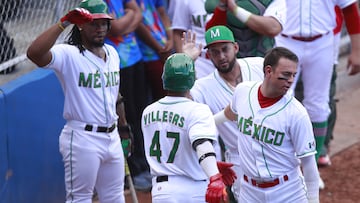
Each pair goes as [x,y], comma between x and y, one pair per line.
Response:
[215,34]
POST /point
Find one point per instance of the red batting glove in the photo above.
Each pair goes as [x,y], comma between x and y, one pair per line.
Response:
[77,16]
[216,191]
[228,174]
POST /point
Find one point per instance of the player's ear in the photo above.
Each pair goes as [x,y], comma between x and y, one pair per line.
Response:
[236,47]
[267,70]
[207,54]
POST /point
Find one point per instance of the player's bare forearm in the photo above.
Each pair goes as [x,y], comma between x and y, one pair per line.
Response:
[265,25]
[39,50]
[354,59]
[177,35]
[229,113]
[120,110]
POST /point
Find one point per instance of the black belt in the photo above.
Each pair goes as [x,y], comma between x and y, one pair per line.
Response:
[304,39]
[160,179]
[100,129]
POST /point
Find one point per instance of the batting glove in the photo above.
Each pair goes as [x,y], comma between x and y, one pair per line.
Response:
[77,16]
[227,173]
[216,191]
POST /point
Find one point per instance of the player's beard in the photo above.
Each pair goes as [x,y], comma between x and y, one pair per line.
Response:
[98,44]
[98,41]
[229,68]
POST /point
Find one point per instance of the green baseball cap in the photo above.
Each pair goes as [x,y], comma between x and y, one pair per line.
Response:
[217,34]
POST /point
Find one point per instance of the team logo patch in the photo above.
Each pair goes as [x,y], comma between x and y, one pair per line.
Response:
[312,144]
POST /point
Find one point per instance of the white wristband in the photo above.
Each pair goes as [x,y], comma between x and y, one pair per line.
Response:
[312,191]
[220,117]
[242,14]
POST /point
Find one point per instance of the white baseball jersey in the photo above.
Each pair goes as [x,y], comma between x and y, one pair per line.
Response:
[170,126]
[277,10]
[309,18]
[214,91]
[191,15]
[91,159]
[87,81]
[272,139]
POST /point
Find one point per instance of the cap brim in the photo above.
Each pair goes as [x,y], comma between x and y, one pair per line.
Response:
[217,41]
[101,15]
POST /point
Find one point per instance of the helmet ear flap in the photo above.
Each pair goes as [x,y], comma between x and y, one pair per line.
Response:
[179,73]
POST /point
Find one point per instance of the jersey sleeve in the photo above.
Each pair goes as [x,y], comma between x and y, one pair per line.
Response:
[181,18]
[59,56]
[277,10]
[303,136]
[344,3]
[202,124]
[196,93]
[234,98]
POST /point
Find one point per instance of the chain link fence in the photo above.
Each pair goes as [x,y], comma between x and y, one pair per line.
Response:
[23,20]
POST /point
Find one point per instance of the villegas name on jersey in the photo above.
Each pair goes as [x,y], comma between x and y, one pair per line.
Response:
[164,116]
[259,132]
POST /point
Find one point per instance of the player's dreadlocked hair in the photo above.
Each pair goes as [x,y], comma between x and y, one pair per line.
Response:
[74,38]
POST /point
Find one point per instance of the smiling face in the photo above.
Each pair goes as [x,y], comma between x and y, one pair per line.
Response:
[223,55]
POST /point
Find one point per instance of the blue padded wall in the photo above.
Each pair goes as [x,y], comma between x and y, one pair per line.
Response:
[30,124]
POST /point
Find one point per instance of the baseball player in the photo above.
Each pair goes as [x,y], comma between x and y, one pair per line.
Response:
[88,71]
[191,15]
[217,88]
[254,23]
[275,136]
[178,136]
[313,41]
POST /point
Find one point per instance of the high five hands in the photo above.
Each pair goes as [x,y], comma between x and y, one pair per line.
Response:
[189,45]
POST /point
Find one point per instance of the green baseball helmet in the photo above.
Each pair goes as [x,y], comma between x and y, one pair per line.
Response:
[179,73]
[97,8]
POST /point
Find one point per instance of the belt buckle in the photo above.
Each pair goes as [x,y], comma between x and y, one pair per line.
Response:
[110,129]
[258,182]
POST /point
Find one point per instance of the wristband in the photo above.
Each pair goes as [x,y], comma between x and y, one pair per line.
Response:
[61,26]
[220,117]
[242,14]
[202,157]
